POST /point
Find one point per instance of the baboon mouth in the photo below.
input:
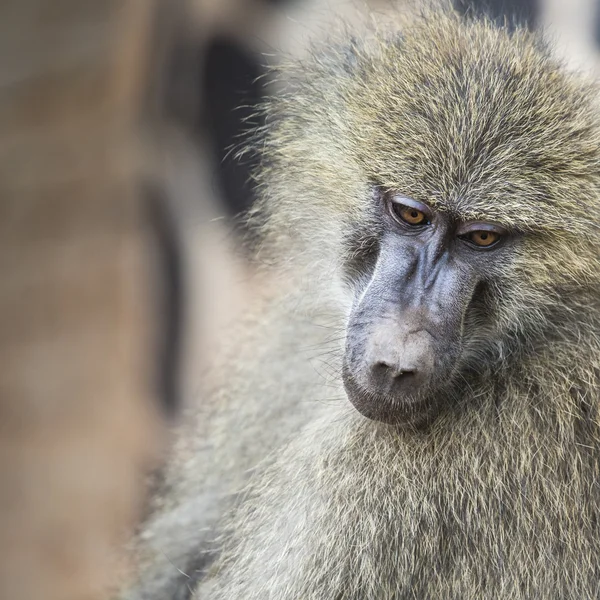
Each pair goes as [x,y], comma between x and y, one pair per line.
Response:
[416,411]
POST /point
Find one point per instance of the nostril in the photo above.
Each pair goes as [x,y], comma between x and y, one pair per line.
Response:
[405,373]
[393,370]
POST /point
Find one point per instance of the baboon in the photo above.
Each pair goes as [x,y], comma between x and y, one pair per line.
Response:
[411,411]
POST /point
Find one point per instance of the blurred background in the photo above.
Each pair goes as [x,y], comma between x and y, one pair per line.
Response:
[120,243]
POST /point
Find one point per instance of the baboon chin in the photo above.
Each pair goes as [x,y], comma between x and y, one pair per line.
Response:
[430,205]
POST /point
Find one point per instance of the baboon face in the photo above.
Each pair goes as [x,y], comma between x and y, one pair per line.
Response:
[480,223]
[406,329]
[454,180]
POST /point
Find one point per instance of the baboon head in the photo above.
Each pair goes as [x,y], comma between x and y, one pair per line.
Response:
[457,178]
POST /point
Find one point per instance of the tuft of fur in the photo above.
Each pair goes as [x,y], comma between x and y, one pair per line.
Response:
[297,495]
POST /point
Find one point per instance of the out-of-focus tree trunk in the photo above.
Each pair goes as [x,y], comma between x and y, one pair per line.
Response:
[76,418]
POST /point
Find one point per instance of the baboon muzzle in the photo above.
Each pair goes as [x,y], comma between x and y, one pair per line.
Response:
[404,335]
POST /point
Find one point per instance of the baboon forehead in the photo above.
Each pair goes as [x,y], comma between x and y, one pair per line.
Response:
[468,117]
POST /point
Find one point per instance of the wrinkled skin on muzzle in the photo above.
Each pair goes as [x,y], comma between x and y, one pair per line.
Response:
[404,335]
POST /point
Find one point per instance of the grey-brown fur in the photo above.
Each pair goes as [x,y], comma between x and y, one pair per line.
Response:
[299,496]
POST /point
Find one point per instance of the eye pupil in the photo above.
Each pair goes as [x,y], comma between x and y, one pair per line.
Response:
[414,214]
[483,236]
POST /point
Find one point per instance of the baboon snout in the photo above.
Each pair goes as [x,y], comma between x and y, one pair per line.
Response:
[398,360]
[395,363]
[405,330]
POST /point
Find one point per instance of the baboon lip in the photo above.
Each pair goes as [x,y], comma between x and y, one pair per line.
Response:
[410,411]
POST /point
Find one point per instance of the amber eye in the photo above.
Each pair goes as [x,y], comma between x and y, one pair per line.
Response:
[410,215]
[483,238]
